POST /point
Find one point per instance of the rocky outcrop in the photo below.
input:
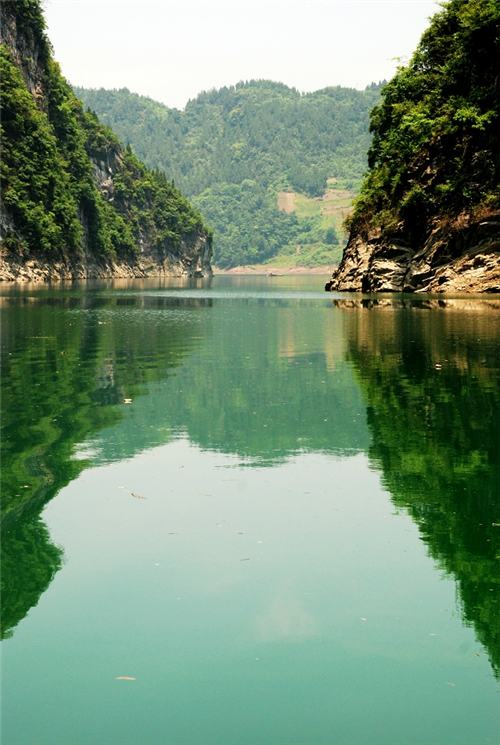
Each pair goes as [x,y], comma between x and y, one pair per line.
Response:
[433,179]
[463,258]
[28,51]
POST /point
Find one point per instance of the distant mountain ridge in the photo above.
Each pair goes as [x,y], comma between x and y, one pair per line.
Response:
[232,150]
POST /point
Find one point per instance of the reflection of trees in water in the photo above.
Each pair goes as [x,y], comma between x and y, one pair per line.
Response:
[62,375]
[29,563]
[436,434]
[274,386]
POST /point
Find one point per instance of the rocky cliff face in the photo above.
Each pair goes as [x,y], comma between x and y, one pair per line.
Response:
[28,51]
[189,257]
[126,220]
[462,258]
[29,56]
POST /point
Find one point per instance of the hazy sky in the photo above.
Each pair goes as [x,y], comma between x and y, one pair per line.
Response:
[172,50]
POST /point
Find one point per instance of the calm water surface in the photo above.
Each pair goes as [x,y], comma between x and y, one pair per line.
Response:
[290,536]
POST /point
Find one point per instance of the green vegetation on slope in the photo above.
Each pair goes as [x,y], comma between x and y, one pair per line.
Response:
[232,150]
[47,185]
[251,229]
[436,145]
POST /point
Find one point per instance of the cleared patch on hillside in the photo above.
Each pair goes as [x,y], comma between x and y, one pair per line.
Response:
[308,257]
[286,201]
[333,207]
[319,245]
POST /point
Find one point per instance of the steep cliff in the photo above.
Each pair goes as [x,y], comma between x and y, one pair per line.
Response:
[75,204]
[428,216]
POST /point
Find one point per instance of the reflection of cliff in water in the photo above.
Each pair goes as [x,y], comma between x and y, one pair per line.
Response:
[68,362]
[436,433]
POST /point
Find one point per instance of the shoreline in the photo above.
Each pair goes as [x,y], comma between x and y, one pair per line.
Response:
[275,271]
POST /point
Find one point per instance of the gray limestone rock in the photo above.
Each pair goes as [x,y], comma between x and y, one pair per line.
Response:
[463,258]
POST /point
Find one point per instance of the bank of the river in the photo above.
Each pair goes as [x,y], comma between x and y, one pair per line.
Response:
[428,215]
[256,269]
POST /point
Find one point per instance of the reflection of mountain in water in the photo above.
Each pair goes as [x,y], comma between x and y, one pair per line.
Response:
[67,362]
[436,433]
[273,383]
[263,380]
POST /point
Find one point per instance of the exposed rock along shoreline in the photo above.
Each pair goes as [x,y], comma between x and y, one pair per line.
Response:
[191,259]
[463,259]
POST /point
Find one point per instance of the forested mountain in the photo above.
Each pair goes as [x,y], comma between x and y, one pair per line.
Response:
[428,216]
[73,201]
[232,150]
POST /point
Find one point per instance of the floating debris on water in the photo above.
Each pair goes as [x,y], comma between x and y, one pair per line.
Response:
[137,496]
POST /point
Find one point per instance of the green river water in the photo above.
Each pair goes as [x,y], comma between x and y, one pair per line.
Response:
[290,536]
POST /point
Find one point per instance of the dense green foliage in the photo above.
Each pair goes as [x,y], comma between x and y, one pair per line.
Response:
[36,186]
[262,131]
[29,18]
[47,185]
[435,439]
[231,151]
[435,149]
[250,228]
